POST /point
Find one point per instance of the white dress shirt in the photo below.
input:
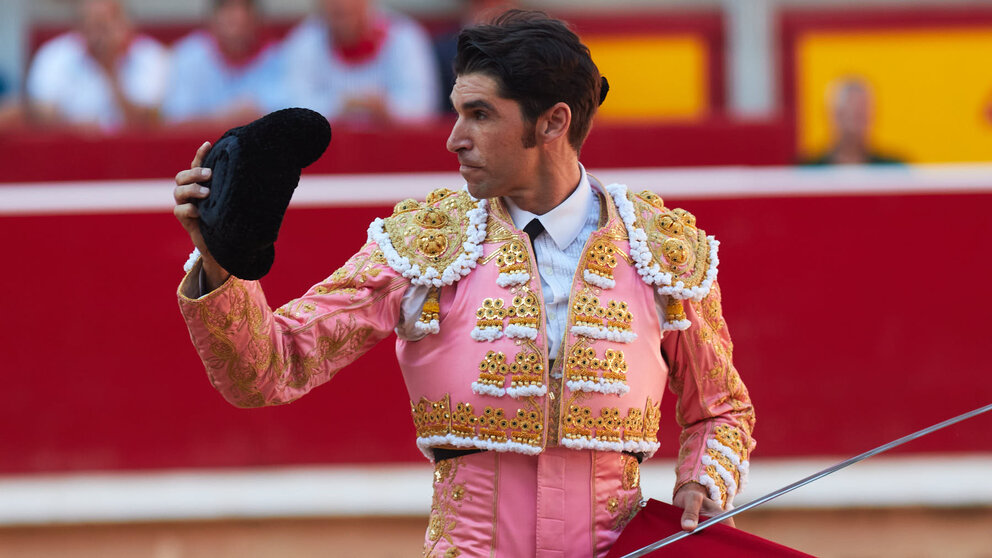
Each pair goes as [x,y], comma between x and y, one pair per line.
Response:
[559,249]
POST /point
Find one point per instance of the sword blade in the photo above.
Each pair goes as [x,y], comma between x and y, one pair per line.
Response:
[814,477]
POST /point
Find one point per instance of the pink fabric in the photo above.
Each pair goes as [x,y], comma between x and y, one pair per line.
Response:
[255,357]
[559,504]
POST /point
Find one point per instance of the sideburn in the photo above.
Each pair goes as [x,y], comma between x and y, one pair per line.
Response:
[529,139]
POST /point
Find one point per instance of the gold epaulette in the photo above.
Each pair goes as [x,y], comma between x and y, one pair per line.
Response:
[434,242]
[683,258]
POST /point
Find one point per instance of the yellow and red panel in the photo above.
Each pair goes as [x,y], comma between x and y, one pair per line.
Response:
[932,86]
[653,77]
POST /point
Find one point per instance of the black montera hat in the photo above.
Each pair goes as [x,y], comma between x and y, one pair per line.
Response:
[256,168]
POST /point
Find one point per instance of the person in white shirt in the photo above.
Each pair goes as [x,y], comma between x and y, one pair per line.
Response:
[103,76]
[356,62]
[235,70]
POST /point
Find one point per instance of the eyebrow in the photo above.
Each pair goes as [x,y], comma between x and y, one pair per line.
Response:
[477,104]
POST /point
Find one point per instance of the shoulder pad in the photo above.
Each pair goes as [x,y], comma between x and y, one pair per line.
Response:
[434,242]
[667,247]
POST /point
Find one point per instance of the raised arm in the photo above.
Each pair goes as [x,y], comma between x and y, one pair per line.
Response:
[257,357]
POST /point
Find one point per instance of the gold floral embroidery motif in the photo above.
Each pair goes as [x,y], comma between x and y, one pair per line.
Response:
[582,365]
[615,316]
[242,347]
[579,423]
[432,418]
[652,198]
[430,234]
[602,259]
[526,370]
[354,273]
[445,508]
[633,425]
[623,506]
[491,314]
[525,311]
[493,369]
[612,505]
[512,258]
[676,244]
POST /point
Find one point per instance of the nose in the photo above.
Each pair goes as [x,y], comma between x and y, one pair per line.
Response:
[458,140]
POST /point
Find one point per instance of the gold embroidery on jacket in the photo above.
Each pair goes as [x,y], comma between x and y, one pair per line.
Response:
[493,369]
[527,369]
[512,258]
[433,418]
[582,365]
[432,306]
[526,311]
[431,234]
[601,259]
[676,244]
[580,423]
[615,316]
[245,361]
[624,506]
[491,314]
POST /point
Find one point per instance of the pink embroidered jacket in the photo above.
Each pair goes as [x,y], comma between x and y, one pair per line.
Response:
[481,376]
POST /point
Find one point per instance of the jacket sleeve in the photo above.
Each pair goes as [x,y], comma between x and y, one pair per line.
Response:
[713,409]
[257,357]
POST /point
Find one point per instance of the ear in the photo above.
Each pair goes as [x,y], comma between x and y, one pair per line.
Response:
[554,123]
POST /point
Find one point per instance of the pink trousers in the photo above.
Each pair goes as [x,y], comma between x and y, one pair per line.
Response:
[561,503]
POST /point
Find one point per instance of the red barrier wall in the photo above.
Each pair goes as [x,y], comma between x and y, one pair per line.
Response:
[856,319]
[38,156]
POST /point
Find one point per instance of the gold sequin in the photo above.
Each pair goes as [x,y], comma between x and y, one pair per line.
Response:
[612,504]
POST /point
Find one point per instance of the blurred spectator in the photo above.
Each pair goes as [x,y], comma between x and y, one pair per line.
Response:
[102,76]
[470,12]
[356,62]
[226,74]
[851,111]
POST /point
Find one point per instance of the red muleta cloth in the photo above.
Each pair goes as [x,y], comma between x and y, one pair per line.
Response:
[659,520]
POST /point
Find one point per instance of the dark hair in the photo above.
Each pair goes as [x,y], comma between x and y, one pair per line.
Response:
[537,61]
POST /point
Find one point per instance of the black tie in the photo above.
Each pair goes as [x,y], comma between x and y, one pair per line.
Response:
[533,229]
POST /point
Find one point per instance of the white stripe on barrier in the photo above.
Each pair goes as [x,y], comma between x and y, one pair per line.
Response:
[45,198]
[405,490]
